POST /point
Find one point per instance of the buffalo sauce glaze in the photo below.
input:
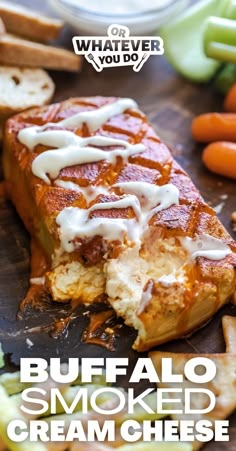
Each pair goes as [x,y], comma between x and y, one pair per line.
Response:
[102,329]
[49,163]
[37,295]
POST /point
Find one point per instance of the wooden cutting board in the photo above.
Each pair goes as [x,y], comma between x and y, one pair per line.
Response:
[170,104]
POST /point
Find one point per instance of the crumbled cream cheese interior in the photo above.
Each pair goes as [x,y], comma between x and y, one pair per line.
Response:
[127,276]
[124,278]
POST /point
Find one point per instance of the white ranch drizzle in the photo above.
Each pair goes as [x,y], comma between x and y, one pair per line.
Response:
[150,195]
[66,184]
[69,145]
[74,222]
[96,118]
[90,192]
[53,161]
[145,199]
[82,226]
[205,245]
[71,150]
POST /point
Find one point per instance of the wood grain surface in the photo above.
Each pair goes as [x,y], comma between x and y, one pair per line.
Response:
[170,104]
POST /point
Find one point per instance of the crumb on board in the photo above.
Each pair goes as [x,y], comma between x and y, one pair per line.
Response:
[224,196]
[218,208]
[29,343]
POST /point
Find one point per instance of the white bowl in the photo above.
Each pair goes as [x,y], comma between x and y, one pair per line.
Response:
[95,22]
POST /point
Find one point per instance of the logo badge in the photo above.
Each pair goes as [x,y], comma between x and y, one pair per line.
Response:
[118,48]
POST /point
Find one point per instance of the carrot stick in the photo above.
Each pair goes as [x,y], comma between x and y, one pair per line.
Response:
[230,100]
[214,127]
[220,157]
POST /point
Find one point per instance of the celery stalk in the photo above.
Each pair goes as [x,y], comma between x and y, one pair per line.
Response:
[11,383]
[226,78]
[220,39]
[183,40]
[222,52]
[231,10]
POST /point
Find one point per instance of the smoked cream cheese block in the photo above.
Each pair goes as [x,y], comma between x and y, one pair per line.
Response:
[114,217]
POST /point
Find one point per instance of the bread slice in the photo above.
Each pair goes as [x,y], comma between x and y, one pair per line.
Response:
[21,20]
[15,51]
[20,89]
[23,88]
[223,386]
